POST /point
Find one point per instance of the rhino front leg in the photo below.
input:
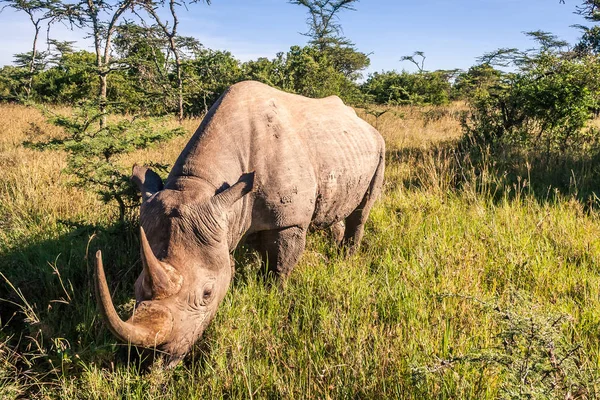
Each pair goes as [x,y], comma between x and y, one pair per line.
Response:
[337,231]
[281,249]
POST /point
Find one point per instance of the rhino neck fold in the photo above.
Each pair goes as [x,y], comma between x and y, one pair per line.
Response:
[200,189]
[239,221]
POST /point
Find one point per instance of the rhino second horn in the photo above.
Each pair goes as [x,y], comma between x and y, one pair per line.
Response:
[151,324]
[164,280]
[226,198]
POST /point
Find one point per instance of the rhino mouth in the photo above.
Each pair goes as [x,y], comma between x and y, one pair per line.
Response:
[173,360]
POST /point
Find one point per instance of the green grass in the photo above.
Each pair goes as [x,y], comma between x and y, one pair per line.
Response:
[458,292]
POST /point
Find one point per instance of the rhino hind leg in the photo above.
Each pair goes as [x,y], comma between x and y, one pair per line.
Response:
[281,249]
[355,222]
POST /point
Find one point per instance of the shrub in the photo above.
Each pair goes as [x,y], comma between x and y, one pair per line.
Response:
[11,83]
[208,74]
[93,149]
[544,108]
[312,72]
[477,81]
[405,88]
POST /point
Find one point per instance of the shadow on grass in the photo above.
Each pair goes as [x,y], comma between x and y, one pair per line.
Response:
[48,314]
[502,172]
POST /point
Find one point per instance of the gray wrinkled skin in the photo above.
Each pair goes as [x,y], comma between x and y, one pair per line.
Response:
[265,166]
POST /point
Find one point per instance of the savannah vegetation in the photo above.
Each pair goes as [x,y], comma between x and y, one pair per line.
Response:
[478,276]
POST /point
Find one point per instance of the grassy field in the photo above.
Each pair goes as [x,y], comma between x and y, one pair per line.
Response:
[472,283]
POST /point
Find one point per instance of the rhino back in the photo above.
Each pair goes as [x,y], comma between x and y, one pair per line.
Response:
[314,158]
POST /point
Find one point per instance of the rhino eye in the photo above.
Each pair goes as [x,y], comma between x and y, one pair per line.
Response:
[206,295]
[207,292]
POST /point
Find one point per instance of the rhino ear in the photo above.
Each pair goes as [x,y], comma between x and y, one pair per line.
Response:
[227,197]
[147,181]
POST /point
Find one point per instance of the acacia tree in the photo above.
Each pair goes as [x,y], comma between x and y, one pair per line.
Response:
[146,85]
[93,152]
[102,18]
[38,11]
[325,32]
[590,10]
[324,28]
[420,62]
[169,29]
[589,43]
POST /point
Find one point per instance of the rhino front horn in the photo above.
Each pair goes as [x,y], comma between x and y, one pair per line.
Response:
[164,280]
[150,325]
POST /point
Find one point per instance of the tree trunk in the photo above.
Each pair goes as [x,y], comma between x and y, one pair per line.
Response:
[36,24]
[103,55]
[122,208]
[179,78]
[102,99]
[171,35]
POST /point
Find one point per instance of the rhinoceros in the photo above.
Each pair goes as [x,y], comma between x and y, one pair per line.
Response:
[264,165]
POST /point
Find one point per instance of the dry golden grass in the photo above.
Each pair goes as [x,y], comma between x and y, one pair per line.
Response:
[164,153]
[33,186]
[417,127]
[32,190]
[35,178]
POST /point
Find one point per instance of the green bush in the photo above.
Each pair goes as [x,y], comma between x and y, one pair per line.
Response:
[70,81]
[477,81]
[312,72]
[271,72]
[544,107]
[12,83]
[93,149]
[207,76]
[408,88]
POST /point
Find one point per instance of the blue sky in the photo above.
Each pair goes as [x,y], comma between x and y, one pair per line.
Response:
[452,33]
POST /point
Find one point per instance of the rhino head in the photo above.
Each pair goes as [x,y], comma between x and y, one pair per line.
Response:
[186,265]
